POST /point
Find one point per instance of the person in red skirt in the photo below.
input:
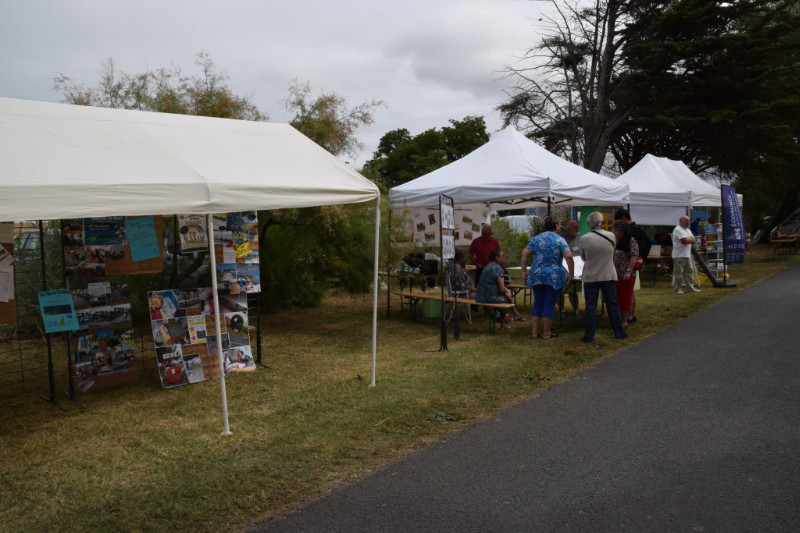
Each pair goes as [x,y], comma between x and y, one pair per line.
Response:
[625,254]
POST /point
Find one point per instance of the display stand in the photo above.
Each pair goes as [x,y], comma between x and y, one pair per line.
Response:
[714,251]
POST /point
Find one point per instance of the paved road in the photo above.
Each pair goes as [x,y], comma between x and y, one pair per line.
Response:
[694,429]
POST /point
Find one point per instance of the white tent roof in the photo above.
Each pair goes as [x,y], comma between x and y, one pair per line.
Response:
[64,161]
[660,182]
[510,169]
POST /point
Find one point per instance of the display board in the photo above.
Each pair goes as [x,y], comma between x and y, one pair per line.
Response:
[466,224]
[184,335]
[104,346]
[236,249]
[110,246]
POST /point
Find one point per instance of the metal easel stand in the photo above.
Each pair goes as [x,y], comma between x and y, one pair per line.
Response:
[51,378]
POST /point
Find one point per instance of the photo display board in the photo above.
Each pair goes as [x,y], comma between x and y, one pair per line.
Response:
[466,225]
[184,334]
[104,346]
[97,247]
[236,249]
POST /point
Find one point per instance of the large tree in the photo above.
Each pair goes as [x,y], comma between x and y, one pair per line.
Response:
[327,120]
[401,157]
[166,90]
[566,89]
[718,86]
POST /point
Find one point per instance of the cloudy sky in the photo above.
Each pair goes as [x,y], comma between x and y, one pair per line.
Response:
[429,60]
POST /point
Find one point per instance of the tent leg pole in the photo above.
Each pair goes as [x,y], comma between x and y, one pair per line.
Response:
[375,289]
[220,356]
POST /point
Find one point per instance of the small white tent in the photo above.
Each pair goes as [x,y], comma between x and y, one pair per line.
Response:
[663,189]
[510,171]
[61,161]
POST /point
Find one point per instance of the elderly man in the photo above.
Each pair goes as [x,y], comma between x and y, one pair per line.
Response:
[479,249]
[683,273]
[597,251]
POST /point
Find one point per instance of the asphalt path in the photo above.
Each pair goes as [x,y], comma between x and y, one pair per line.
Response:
[696,428]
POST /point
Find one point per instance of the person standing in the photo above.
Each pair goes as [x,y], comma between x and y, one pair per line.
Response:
[547,276]
[644,242]
[573,238]
[683,272]
[625,254]
[597,252]
[480,247]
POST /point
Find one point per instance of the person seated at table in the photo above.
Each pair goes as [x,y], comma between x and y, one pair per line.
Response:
[547,277]
[460,281]
[492,287]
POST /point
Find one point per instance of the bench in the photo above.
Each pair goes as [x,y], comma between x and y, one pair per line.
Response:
[414,297]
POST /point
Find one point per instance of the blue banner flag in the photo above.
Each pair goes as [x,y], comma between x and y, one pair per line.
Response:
[733,234]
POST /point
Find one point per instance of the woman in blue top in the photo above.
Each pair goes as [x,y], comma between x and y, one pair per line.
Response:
[547,276]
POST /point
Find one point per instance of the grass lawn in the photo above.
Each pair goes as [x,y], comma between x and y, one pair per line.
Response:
[140,458]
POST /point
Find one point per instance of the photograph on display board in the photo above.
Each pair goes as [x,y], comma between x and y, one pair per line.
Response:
[211,343]
[238,360]
[105,231]
[239,277]
[76,255]
[192,231]
[232,303]
[171,367]
[237,235]
[197,328]
[163,305]
[194,367]
[106,352]
[172,331]
[193,302]
[236,325]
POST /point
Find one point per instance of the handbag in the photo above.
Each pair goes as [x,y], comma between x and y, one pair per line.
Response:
[639,264]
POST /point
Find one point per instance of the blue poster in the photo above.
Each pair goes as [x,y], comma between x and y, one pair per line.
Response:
[142,238]
[58,312]
[733,234]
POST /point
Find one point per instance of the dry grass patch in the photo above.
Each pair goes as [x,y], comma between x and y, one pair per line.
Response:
[139,458]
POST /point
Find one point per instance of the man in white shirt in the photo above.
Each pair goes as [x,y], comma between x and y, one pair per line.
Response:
[682,265]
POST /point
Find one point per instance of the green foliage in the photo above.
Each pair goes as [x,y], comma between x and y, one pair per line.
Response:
[163,90]
[327,120]
[306,252]
[719,86]
[511,242]
[401,157]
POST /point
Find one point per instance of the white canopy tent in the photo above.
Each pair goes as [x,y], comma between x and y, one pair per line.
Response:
[664,189]
[61,161]
[511,171]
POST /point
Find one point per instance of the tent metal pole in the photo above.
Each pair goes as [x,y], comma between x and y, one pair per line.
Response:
[220,356]
[375,288]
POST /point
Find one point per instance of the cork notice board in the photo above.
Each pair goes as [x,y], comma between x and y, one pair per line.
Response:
[8,310]
[85,259]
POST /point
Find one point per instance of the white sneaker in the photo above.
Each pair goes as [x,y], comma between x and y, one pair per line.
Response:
[678,291]
[694,289]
